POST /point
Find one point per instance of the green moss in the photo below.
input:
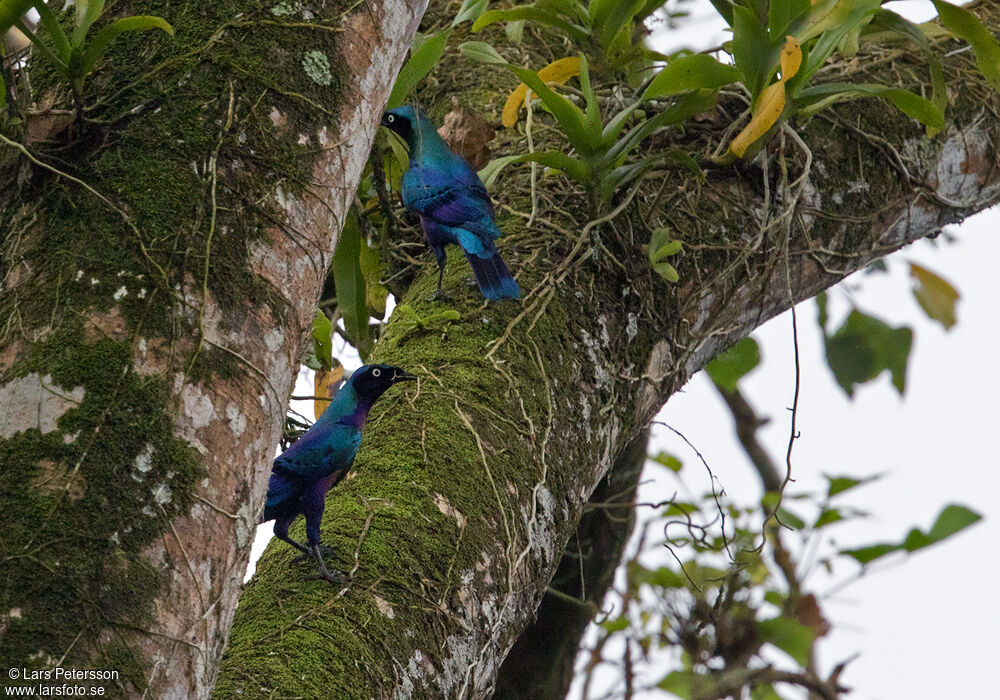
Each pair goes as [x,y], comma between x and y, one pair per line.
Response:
[83,501]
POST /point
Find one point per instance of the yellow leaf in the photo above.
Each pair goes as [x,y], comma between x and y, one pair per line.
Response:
[791,58]
[935,295]
[771,102]
[558,72]
[325,384]
[513,105]
[769,107]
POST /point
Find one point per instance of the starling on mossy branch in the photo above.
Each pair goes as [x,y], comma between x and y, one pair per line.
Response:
[314,463]
[452,203]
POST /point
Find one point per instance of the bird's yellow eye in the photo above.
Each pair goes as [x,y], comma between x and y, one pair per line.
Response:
[376,372]
[391,118]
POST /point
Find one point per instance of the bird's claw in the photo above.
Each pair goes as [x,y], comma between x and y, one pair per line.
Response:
[323,549]
[334,577]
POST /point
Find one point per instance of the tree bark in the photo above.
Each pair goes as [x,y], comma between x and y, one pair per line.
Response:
[468,487]
[160,263]
[540,665]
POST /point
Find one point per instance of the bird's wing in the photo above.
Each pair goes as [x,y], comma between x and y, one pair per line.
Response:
[324,449]
[441,197]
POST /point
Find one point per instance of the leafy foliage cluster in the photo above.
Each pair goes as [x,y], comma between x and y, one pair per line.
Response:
[73,56]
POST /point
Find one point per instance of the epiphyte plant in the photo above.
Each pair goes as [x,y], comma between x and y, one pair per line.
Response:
[73,56]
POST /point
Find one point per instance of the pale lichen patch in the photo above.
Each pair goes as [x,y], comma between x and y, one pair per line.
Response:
[317,67]
[445,507]
[237,420]
[162,494]
[274,340]
[384,607]
[197,406]
[32,401]
[143,461]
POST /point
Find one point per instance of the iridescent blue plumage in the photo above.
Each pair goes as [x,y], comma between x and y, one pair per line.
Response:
[454,207]
[313,464]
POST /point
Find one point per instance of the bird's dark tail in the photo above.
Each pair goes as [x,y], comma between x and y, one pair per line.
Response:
[493,277]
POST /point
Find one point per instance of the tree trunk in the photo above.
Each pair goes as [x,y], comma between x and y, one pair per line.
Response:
[160,263]
[469,486]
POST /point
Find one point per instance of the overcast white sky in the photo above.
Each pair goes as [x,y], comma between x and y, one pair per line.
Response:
[926,626]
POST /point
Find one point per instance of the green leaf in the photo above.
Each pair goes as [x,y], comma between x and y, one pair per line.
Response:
[952,520]
[935,295]
[967,27]
[842,25]
[781,14]
[87,13]
[616,625]
[619,18]
[840,484]
[532,13]
[755,55]
[56,33]
[322,336]
[422,61]
[729,367]
[593,109]
[790,519]
[664,577]
[470,10]
[481,52]
[864,347]
[792,637]
[667,460]
[828,517]
[100,42]
[349,283]
[661,247]
[666,271]
[372,268]
[690,73]
[913,105]
[581,134]
[889,20]
[864,555]
[821,316]
[558,160]
[680,683]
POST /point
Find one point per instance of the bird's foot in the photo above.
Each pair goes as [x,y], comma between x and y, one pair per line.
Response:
[440,295]
[335,577]
[323,549]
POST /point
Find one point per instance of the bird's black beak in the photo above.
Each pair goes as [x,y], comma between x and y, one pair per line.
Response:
[401,376]
[385,119]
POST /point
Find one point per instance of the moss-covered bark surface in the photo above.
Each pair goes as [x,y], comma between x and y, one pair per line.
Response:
[151,309]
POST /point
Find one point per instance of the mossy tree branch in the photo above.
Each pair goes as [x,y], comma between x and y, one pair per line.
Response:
[468,489]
